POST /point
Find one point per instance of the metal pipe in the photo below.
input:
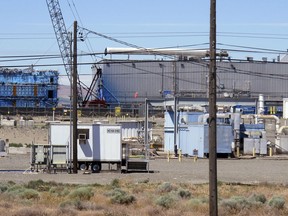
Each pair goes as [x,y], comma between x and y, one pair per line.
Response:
[280,130]
[270,117]
[203,118]
[153,51]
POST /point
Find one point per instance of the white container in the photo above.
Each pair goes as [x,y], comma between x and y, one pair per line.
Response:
[107,143]
[96,142]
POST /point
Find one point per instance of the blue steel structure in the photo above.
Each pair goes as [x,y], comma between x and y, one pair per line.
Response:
[28,88]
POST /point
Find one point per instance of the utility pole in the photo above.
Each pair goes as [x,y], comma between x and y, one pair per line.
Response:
[175,126]
[176,91]
[75,97]
[213,202]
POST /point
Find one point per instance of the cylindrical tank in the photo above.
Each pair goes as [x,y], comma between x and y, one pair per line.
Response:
[261,104]
[237,120]
[260,110]
[285,108]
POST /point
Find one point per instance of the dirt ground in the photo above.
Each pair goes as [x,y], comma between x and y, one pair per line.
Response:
[246,171]
[257,170]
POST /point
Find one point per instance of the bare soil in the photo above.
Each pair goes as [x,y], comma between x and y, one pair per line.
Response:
[244,171]
[257,170]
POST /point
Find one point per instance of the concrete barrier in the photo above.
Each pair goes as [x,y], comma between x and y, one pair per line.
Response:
[6,122]
[18,150]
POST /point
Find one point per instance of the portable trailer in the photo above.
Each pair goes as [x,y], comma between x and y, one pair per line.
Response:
[97,144]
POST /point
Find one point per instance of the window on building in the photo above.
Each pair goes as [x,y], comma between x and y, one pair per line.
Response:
[50,93]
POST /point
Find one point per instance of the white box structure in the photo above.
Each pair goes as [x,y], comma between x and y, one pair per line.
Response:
[97,143]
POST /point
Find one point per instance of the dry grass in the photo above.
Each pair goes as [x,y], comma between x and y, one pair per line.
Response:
[121,198]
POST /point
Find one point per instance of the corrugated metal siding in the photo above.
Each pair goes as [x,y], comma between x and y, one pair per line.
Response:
[239,79]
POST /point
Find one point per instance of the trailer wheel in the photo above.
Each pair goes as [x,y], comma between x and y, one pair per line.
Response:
[96,167]
[83,166]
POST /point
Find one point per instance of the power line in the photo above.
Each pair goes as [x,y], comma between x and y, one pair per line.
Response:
[203,64]
[159,34]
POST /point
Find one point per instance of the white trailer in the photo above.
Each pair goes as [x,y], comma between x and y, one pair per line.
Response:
[97,144]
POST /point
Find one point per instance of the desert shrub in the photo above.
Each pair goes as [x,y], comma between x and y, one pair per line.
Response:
[66,212]
[76,204]
[59,191]
[165,201]
[6,205]
[79,205]
[16,145]
[22,192]
[277,202]
[152,210]
[28,145]
[39,185]
[11,183]
[115,183]
[115,212]
[144,181]
[30,212]
[35,184]
[14,190]
[236,204]
[29,194]
[82,193]
[3,187]
[197,201]
[220,183]
[165,187]
[184,194]
[120,197]
[96,185]
[260,198]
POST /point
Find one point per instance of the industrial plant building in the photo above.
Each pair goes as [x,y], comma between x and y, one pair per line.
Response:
[133,81]
[28,88]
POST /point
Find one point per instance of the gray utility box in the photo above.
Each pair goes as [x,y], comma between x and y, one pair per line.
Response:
[283,144]
[259,144]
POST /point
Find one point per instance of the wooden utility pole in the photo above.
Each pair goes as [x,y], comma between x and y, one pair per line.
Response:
[176,91]
[75,96]
[213,203]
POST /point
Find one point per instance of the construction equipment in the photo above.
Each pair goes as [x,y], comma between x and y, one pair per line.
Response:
[64,40]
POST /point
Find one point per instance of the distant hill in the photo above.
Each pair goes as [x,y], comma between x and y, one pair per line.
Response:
[63,94]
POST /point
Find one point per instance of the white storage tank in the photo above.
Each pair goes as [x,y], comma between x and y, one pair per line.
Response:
[285,108]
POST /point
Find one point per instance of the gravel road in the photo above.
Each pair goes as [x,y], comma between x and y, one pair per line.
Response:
[259,170]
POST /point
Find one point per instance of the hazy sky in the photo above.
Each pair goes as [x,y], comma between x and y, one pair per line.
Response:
[26,27]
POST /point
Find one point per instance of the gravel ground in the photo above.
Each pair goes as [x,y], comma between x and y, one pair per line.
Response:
[259,170]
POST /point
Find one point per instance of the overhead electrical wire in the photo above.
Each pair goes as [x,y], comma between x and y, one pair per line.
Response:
[146,71]
[77,17]
[203,64]
[154,34]
[53,56]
